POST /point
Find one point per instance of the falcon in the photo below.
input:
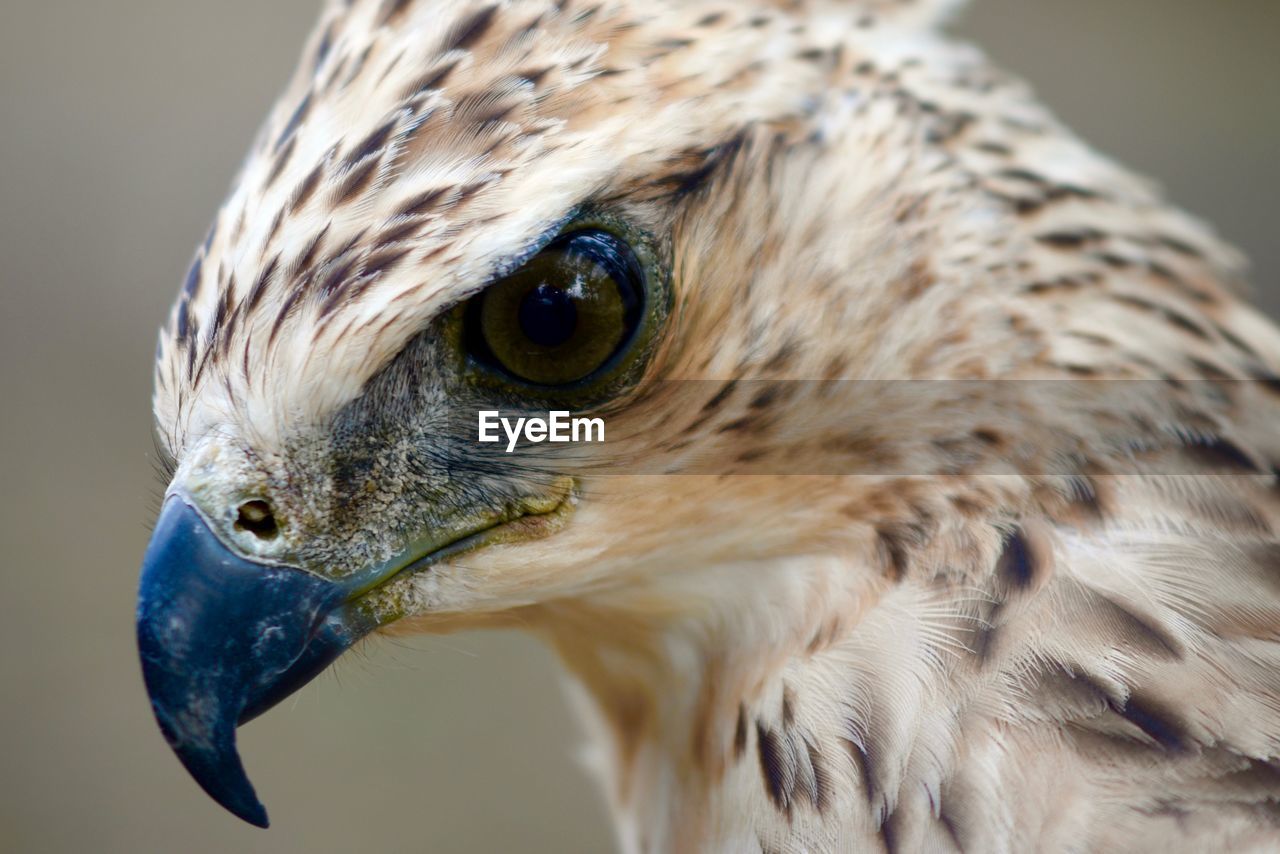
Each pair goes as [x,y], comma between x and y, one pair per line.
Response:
[936,502]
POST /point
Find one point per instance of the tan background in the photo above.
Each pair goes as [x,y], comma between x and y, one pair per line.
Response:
[121,124]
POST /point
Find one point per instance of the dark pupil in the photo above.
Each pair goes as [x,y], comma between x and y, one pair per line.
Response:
[548,316]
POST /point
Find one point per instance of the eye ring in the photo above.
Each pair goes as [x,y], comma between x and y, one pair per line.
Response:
[566,316]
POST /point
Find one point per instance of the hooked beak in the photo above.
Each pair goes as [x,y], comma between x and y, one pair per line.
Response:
[222,639]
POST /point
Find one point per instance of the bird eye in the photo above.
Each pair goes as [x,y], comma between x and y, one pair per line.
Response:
[563,316]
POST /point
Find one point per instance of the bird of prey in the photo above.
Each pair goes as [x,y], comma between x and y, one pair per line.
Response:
[936,508]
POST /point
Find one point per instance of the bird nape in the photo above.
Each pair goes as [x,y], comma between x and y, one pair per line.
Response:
[932,505]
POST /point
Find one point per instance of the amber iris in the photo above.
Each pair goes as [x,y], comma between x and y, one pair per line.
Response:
[563,315]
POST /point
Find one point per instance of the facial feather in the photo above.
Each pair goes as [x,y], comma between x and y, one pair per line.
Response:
[416,154]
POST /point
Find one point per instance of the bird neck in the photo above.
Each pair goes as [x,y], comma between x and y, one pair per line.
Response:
[675,683]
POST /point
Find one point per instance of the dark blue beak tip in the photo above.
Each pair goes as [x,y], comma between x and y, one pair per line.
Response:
[254,813]
[231,788]
[222,639]
[241,801]
[215,766]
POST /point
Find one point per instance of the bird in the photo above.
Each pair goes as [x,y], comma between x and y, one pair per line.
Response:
[936,505]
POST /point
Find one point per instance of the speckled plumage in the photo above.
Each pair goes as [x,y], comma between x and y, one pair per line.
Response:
[968,644]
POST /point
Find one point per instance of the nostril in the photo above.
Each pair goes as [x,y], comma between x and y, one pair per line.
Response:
[257,518]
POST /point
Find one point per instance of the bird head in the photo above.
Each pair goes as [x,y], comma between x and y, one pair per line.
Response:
[655,214]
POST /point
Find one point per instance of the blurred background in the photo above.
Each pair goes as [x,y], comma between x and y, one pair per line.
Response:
[121,125]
